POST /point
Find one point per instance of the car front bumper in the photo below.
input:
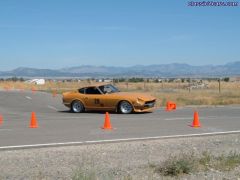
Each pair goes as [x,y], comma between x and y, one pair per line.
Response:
[145,107]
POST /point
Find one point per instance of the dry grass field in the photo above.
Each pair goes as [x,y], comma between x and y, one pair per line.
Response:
[178,92]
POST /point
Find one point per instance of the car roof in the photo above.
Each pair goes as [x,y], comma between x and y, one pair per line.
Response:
[96,85]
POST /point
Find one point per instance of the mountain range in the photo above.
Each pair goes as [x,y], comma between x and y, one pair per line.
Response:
[157,70]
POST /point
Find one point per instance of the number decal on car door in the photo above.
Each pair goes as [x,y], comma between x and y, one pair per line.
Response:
[96,101]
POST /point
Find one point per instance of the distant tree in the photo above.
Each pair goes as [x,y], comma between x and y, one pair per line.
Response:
[116,80]
[226,79]
[136,79]
[12,79]
[122,80]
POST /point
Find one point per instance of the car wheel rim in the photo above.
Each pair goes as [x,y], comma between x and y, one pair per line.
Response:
[126,107]
[77,107]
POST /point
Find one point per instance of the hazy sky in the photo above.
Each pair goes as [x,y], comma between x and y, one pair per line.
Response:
[65,33]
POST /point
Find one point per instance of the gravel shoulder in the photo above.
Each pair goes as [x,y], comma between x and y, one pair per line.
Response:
[125,160]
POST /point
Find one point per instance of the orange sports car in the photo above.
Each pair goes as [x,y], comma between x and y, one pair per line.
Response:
[107,98]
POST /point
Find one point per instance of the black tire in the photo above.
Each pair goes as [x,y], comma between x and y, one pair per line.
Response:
[77,107]
[125,107]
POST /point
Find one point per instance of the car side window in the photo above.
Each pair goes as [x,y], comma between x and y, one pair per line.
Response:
[82,91]
[92,90]
[105,89]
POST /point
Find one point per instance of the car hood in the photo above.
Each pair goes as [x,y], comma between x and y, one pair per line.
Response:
[133,95]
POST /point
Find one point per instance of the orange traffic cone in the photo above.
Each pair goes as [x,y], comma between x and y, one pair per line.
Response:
[1,120]
[107,123]
[168,106]
[33,121]
[173,106]
[196,122]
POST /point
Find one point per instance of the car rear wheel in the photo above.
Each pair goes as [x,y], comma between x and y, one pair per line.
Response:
[125,107]
[77,107]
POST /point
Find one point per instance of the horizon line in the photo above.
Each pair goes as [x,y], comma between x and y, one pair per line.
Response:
[82,65]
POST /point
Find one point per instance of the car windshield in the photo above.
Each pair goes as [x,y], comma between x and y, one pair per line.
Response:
[107,89]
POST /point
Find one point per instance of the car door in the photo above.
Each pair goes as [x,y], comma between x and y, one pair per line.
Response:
[94,99]
[109,99]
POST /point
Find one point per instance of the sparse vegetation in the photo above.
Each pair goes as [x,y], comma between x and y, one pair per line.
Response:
[174,166]
[87,174]
[176,90]
[95,174]
[226,163]
[186,164]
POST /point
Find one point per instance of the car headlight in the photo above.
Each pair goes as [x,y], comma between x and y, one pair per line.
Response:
[140,101]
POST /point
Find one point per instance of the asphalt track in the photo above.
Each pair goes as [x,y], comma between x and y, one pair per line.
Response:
[58,126]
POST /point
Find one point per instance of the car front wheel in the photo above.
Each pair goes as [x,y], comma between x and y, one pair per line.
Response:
[77,107]
[125,107]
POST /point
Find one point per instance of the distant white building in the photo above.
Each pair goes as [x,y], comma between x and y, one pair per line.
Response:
[36,81]
[104,80]
[159,80]
[99,80]
[107,80]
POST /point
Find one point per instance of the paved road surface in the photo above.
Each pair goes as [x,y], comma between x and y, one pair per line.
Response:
[58,125]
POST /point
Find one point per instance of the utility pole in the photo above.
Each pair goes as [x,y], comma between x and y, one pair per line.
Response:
[144,84]
[219,85]
[189,84]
